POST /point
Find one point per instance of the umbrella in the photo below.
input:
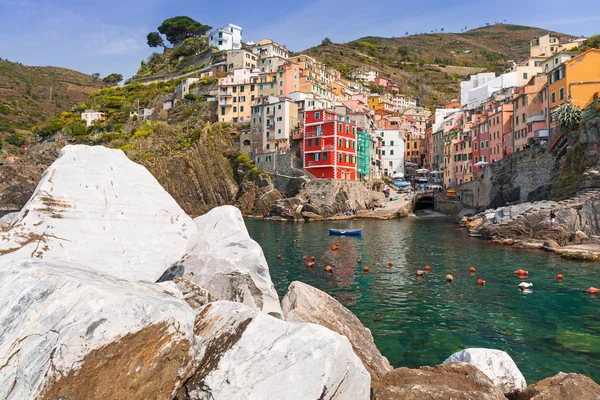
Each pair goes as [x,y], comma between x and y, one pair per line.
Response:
[398,175]
[422,171]
[401,184]
[437,172]
[481,164]
[412,164]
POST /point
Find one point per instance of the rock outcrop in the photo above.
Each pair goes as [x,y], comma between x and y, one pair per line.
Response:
[562,387]
[304,303]
[95,207]
[496,365]
[457,381]
[71,333]
[251,355]
[224,260]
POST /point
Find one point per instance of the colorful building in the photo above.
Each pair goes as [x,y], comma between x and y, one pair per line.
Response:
[577,80]
[228,37]
[236,95]
[329,145]
[272,124]
[392,151]
[363,155]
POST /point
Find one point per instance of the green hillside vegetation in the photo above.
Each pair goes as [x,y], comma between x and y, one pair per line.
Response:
[31,95]
[163,134]
[420,63]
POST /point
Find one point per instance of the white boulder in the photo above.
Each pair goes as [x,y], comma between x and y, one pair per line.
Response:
[304,303]
[252,355]
[95,207]
[71,333]
[496,365]
[224,260]
[7,219]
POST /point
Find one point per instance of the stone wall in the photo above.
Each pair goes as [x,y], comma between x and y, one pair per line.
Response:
[523,176]
[285,171]
[445,206]
[334,196]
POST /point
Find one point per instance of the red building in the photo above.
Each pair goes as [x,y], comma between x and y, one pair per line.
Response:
[329,145]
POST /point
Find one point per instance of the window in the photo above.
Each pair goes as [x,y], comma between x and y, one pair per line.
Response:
[319,130]
[391,152]
[234,89]
[340,157]
[309,142]
[340,128]
[347,129]
[391,143]
[252,88]
[561,94]
[347,144]
[524,75]
[391,163]
[316,141]
[316,156]
[222,110]
[517,120]
[268,146]
[383,152]
[324,156]
[553,97]
[260,87]
[234,109]
[241,108]
[523,100]
[242,88]
[272,86]
[339,142]
[317,116]
[383,142]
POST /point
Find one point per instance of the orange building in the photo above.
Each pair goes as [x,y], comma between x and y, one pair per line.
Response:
[576,80]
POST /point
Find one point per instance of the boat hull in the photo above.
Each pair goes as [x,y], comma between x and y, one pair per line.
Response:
[345,232]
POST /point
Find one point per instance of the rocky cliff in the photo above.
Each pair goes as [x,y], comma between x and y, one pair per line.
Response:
[200,178]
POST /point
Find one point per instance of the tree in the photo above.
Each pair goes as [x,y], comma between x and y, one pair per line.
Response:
[593,42]
[177,29]
[155,40]
[96,75]
[113,79]
[442,30]
[326,41]
[406,33]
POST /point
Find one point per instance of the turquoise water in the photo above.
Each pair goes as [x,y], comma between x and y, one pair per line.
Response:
[418,322]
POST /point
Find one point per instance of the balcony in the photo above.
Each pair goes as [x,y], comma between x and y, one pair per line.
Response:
[541,134]
[225,94]
[329,147]
[536,118]
[225,103]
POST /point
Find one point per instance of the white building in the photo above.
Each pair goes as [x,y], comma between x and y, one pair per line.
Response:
[392,151]
[89,116]
[477,95]
[364,74]
[473,82]
[267,48]
[228,37]
[402,102]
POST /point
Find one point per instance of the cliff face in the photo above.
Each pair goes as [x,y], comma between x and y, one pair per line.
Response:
[199,178]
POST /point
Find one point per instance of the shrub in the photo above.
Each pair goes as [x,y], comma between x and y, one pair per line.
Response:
[16,139]
[568,116]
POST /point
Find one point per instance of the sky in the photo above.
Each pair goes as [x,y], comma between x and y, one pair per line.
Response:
[107,36]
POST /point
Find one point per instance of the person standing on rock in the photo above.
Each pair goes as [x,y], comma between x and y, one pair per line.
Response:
[552,218]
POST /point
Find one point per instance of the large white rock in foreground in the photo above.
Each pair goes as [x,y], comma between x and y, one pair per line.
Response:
[224,260]
[250,355]
[95,207]
[304,303]
[71,333]
[496,364]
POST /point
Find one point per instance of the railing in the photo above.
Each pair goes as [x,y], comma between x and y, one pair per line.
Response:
[536,118]
[225,94]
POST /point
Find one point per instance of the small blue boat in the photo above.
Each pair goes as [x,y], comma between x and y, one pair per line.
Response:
[346,232]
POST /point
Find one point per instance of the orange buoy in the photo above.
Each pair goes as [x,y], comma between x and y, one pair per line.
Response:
[419,273]
[559,276]
[471,269]
[263,234]
[328,269]
[333,248]
[366,269]
[427,268]
[278,240]
[312,258]
[337,245]
[522,276]
[592,290]
[390,263]
[521,272]
[480,282]
[304,258]
[359,260]
[278,255]
[449,278]
[310,264]
[294,241]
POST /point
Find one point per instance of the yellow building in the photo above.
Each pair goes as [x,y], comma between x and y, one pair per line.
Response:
[236,95]
[544,46]
[379,102]
[576,80]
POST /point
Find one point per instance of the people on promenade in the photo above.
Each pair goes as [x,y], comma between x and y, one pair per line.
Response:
[552,218]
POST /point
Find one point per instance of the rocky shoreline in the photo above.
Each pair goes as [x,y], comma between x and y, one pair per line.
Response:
[575,235]
[108,289]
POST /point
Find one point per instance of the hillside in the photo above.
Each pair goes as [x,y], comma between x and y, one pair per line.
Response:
[419,63]
[31,95]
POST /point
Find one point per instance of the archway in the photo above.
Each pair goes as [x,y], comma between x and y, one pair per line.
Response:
[424,203]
